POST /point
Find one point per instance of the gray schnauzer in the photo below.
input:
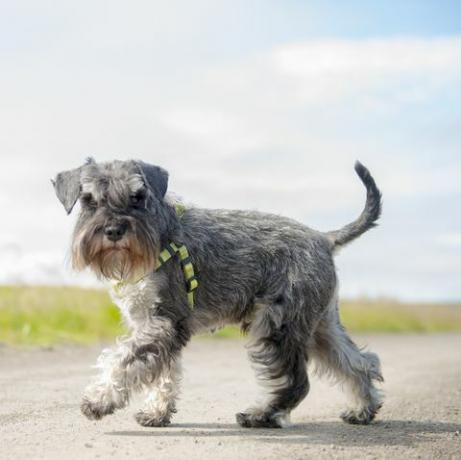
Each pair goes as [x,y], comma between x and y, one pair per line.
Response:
[177,270]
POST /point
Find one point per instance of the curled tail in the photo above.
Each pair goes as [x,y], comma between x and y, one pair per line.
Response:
[369,215]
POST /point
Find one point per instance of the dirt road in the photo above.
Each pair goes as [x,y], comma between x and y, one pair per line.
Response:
[40,392]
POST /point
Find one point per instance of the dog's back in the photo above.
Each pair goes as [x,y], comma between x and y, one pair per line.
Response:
[256,257]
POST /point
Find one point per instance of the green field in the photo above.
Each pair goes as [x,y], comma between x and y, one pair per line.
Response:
[50,315]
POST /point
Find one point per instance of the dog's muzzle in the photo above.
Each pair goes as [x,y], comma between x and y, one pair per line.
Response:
[115,230]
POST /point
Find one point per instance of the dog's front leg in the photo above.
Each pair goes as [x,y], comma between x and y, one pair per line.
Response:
[160,404]
[109,391]
[133,365]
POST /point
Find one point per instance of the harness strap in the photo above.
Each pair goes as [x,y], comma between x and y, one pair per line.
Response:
[169,252]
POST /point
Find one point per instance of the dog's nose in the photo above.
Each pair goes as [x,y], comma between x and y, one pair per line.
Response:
[115,232]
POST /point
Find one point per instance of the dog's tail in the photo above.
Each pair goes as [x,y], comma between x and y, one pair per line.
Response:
[369,215]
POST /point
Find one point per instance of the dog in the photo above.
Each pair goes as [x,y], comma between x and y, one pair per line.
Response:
[175,271]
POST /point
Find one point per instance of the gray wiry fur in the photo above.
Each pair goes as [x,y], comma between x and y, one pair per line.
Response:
[272,275]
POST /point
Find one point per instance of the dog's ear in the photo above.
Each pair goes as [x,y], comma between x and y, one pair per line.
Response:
[155,178]
[67,187]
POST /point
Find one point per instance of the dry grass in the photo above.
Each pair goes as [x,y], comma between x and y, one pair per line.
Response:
[50,315]
[386,315]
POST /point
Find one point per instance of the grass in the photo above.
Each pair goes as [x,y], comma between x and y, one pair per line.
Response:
[386,315]
[50,315]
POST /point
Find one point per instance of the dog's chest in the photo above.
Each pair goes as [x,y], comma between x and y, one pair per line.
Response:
[137,302]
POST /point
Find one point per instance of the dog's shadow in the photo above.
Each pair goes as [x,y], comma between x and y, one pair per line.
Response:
[392,432]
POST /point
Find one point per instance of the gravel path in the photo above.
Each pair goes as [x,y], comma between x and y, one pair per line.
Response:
[40,392]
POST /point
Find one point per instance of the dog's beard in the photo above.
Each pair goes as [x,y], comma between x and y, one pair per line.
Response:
[128,260]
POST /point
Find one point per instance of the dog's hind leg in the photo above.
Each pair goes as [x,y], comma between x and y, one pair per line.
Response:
[336,355]
[160,403]
[279,358]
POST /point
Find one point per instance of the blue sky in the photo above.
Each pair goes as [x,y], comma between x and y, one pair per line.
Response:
[249,104]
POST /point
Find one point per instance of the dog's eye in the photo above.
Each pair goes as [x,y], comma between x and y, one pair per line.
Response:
[89,201]
[138,198]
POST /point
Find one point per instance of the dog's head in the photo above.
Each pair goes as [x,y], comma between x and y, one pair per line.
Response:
[122,219]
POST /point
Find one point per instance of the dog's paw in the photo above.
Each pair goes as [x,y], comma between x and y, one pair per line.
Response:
[260,420]
[360,417]
[95,410]
[152,420]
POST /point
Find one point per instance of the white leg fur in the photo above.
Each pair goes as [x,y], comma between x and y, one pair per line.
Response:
[160,403]
[112,388]
[122,371]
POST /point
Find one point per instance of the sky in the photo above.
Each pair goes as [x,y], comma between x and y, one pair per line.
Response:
[256,104]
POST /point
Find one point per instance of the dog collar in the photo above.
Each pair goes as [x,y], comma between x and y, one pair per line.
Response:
[187,267]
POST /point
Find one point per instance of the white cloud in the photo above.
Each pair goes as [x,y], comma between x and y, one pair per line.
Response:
[368,58]
[44,267]
[450,240]
[408,70]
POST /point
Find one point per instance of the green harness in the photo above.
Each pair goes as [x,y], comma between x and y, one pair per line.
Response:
[188,269]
